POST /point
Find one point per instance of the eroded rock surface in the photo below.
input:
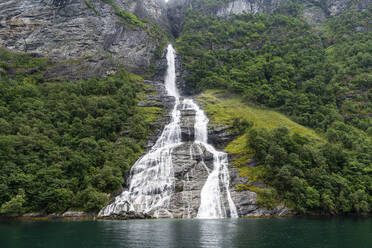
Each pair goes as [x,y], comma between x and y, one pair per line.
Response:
[72,30]
[313,11]
[192,164]
[248,7]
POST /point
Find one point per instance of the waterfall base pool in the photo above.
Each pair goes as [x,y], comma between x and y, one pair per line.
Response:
[314,232]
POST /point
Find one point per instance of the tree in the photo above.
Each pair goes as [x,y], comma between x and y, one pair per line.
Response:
[15,205]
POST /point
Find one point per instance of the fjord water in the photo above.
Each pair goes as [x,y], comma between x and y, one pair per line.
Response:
[336,232]
[152,176]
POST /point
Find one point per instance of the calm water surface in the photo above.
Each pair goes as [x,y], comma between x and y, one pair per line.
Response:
[348,232]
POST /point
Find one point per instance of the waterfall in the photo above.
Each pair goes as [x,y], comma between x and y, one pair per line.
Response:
[152,177]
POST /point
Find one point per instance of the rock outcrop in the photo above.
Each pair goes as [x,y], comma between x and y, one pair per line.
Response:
[245,201]
[155,10]
[313,11]
[176,13]
[89,31]
[191,163]
[99,40]
[237,7]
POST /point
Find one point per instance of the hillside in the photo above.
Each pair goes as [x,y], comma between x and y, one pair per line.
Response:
[319,77]
[286,84]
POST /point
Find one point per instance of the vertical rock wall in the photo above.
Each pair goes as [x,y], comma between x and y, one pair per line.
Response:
[76,29]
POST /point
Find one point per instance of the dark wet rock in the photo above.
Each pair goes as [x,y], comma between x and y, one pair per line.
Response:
[187,125]
[220,135]
[176,13]
[181,74]
[128,215]
[235,178]
[191,164]
[245,202]
[257,184]
[157,96]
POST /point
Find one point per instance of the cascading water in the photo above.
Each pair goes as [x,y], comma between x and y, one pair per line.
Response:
[211,205]
[152,176]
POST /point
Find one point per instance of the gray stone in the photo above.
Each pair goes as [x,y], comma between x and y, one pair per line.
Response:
[314,15]
[187,125]
[191,164]
[314,11]
[74,214]
[70,30]
[248,7]
[33,215]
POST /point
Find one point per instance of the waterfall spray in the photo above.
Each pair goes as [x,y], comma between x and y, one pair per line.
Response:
[152,177]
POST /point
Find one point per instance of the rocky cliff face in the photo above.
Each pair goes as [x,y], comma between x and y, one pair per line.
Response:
[155,10]
[317,7]
[93,33]
[90,31]
[313,11]
[248,7]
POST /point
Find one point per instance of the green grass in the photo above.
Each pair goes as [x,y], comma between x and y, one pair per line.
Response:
[149,113]
[22,60]
[223,108]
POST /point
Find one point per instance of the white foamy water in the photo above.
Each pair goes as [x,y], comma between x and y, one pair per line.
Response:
[152,177]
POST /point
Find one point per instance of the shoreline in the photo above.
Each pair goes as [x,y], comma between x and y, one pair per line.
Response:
[95,217]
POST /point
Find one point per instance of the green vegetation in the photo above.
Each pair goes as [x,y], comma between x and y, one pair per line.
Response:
[279,61]
[91,6]
[333,177]
[66,145]
[319,78]
[226,108]
[299,98]
[206,6]
[130,18]
[157,33]
[307,172]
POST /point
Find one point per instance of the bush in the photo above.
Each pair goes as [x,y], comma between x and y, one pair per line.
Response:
[91,200]
[15,205]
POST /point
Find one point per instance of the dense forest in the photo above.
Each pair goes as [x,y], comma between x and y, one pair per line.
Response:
[318,76]
[65,145]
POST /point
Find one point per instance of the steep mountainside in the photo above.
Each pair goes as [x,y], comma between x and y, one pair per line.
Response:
[103,35]
[312,11]
[75,115]
[318,76]
[73,121]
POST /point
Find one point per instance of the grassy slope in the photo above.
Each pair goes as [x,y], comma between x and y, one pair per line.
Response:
[222,107]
